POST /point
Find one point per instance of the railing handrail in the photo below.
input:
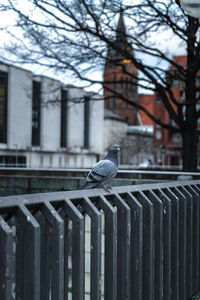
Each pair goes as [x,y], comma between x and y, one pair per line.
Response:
[85,170]
[39,197]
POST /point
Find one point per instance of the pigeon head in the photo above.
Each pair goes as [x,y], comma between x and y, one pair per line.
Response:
[112,153]
[114,148]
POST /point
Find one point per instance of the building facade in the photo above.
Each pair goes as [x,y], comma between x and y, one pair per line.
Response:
[168,144]
[120,78]
[45,123]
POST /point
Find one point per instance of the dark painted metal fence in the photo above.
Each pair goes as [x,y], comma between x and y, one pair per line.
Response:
[147,247]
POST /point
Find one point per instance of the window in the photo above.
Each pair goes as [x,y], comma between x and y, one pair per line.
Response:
[127,119]
[36,101]
[197,80]
[175,82]
[13,161]
[198,94]
[158,134]
[158,125]
[64,114]
[182,95]
[3,106]
[158,100]
[176,138]
[182,83]
[198,108]
[86,122]
[172,122]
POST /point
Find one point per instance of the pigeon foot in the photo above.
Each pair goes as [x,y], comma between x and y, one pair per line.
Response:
[107,188]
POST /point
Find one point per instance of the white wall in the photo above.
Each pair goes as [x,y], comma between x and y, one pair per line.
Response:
[50,115]
[19,108]
[76,122]
[96,125]
[75,119]
[114,130]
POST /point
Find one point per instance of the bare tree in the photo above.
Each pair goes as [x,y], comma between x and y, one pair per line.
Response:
[73,37]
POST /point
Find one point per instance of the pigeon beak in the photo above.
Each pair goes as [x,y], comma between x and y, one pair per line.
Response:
[118,149]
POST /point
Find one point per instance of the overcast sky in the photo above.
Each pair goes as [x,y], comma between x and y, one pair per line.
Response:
[163,41]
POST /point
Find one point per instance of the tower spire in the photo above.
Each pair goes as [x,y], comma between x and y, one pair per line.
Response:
[121,30]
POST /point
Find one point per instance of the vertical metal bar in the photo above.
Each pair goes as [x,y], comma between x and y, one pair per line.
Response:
[196,236]
[30,282]
[148,246]
[78,243]
[45,255]
[19,259]
[78,260]
[182,241]
[158,228]
[174,243]
[67,257]
[57,251]
[123,247]
[110,275]
[136,245]
[197,189]
[6,255]
[166,244]
[189,242]
[95,216]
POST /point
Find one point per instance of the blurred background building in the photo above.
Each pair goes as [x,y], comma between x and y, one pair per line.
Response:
[44,123]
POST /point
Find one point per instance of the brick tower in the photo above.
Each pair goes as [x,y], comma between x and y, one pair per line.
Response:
[118,79]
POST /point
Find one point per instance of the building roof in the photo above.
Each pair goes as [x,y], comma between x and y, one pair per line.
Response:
[121,30]
[108,114]
[147,101]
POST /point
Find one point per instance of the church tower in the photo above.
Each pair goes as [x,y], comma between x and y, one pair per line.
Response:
[117,77]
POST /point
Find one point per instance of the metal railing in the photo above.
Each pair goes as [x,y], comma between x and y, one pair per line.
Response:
[136,243]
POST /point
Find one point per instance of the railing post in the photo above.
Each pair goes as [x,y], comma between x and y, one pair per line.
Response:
[27,255]
[95,249]
[6,261]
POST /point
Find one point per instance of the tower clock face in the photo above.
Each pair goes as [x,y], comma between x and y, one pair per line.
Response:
[126,61]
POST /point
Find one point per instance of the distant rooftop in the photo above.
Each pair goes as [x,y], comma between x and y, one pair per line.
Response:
[108,114]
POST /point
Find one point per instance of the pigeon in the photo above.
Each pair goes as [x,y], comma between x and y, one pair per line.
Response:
[104,170]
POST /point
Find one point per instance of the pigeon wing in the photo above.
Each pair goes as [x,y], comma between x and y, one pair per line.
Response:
[102,172]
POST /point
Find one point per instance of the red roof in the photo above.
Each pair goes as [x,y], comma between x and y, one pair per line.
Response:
[147,101]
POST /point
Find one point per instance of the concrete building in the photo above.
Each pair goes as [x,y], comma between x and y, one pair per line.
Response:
[136,142]
[115,128]
[45,123]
